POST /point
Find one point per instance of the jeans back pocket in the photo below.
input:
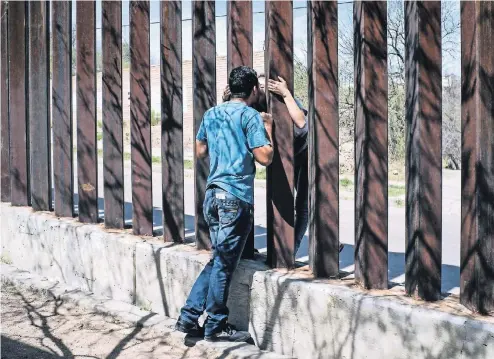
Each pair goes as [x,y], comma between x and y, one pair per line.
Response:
[228,211]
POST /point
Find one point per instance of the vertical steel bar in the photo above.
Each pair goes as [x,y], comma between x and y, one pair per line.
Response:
[477,208]
[239,53]
[280,206]
[39,104]
[204,77]
[324,138]
[172,157]
[371,144]
[19,100]
[140,119]
[4,104]
[113,170]
[87,154]
[424,158]
[62,108]
[239,30]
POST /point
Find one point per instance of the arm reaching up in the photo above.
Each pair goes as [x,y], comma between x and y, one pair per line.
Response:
[280,88]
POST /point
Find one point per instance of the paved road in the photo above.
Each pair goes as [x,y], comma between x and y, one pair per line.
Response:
[35,327]
[451,225]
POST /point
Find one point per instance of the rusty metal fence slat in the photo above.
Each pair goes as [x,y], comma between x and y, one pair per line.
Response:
[172,155]
[39,104]
[140,119]
[18,104]
[113,168]
[280,175]
[240,53]
[371,144]
[62,108]
[423,155]
[323,138]
[87,154]
[477,192]
[4,105]
[204,97]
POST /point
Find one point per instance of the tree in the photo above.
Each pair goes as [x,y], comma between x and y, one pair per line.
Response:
[450,24]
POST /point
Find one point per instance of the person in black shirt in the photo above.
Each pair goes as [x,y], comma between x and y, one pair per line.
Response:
[298,115]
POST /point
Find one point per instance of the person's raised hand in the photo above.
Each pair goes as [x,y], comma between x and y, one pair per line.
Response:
[278,87]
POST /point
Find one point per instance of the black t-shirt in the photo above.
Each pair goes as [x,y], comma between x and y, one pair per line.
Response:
[300,138]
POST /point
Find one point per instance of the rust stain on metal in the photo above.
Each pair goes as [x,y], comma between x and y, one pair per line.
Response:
[423,155]
[172,122]
[280,203]
[18,104]
[113,169]
[39,105]
[62,108]
[140,119]
[323,138]
[371,144]
[477,192]
[87,155]
[204,85]
[4,105]
[239,53]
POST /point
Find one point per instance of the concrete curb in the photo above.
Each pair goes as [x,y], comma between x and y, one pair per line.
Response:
[26,281]
[290,313]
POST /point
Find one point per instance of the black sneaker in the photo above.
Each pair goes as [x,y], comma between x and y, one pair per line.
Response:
[228,333]
[194,330]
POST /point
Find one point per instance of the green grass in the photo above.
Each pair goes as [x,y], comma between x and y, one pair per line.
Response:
[155,117]
[346,183]
[99,136]
[261,173]
[396,190]
[393,190]
[188,164]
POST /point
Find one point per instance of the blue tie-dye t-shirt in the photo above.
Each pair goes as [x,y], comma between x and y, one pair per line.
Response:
[232,130]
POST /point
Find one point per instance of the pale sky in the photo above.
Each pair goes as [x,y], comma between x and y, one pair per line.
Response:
[450,65]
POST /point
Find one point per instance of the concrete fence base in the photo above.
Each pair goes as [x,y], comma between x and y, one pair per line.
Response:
[286,312]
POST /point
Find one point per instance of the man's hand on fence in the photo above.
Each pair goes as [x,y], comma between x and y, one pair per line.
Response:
[226,94]
[267,119]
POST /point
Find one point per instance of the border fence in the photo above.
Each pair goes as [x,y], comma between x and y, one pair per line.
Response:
[28,152]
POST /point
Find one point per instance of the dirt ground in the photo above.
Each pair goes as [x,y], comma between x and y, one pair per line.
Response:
[34,326]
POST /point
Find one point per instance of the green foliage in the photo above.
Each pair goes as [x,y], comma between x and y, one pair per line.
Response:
[301,82]
[396,123]
[346,183]
[155,117]
[396,190]
[125,55]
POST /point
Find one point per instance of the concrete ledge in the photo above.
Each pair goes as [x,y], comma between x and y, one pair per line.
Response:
[25,281]
[286,312]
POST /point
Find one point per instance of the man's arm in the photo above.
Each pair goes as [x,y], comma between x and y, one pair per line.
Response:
[264,155]
[281,88]
[201,149]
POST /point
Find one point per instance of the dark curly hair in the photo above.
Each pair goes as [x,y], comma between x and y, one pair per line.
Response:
[241,81]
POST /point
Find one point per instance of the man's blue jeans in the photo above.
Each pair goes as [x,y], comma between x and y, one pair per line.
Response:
[230,221]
